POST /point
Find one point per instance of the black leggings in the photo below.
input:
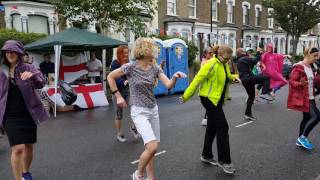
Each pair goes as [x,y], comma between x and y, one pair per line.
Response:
[310,119]
[249,85]
[217,125]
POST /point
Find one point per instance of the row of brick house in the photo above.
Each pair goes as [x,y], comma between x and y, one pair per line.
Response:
[237,23]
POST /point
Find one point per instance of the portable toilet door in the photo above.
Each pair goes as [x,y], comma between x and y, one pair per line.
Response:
[160,89]
[177,57]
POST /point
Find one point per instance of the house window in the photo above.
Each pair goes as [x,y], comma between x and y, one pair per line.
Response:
[258,16]
[192,8]
[223,39]
[185,34]
[38,24]
[171,7]
[270,18]
[255,42]
[214,10]
[248,41]
[16,22]
[174,32]
[230,11]
[231,40]
[246,15]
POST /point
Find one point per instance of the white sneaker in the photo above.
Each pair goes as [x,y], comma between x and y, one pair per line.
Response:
[204,122]
[266,97]
[228,168]
[121,138]
[136,176]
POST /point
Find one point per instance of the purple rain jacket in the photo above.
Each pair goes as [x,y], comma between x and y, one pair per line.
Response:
[27,87]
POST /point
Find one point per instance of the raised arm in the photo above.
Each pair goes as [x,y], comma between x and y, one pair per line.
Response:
[169,83]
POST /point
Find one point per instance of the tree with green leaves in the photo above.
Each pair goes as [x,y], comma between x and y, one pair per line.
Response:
[117,15]
[296,17]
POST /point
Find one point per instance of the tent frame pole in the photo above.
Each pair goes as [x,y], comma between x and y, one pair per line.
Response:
[57,53]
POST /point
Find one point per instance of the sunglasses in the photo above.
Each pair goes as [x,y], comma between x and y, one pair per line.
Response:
[226,59]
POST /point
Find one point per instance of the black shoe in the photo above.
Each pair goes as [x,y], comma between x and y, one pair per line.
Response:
[249,118]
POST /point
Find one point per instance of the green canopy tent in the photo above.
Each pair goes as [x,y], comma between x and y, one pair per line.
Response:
[75,40]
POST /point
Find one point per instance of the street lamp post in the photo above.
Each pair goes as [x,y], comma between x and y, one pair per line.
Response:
[211,28]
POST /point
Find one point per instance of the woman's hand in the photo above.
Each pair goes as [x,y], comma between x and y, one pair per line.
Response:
[125,83]
[181,100]
[121,102]
[179,75]
[25,75]
[239,80]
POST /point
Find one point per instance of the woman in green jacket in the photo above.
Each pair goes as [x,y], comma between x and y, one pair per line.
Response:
[212,79]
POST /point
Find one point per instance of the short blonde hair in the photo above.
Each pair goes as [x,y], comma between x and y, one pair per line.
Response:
[144,47]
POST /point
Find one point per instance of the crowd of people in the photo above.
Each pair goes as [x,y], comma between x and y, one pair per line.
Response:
[132,84]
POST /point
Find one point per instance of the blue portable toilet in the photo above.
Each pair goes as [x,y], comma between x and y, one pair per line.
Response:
[177,60]
[160,89]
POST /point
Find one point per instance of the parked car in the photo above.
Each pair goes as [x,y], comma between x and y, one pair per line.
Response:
[287,67]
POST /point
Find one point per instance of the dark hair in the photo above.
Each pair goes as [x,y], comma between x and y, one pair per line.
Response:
[309,51]
[5,61]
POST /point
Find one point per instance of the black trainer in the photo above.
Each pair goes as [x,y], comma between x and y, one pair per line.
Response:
[249,118]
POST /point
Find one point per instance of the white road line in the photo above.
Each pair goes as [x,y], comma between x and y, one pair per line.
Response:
[240,125]
[157,154]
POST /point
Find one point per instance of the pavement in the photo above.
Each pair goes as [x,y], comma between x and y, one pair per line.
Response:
[82,145]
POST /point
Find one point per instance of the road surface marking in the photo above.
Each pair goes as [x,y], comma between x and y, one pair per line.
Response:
[240,125]
[157,154]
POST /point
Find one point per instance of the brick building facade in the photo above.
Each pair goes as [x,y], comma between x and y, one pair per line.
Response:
[237,23]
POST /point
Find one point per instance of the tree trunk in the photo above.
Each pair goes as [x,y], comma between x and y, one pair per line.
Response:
[295,39]
[287,45]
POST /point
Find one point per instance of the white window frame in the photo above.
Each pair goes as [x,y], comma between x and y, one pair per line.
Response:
[231,40]
[246,9]
[174,2]
[19,19]
[215,16]
[258,11]
[270,19]
[230,5]
[248,41]
[223,39]
[41,16]
[194,6]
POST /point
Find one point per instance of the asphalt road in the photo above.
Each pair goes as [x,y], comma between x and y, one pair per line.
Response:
[82,145]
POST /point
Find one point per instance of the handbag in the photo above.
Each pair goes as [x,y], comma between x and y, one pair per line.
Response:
[68,95]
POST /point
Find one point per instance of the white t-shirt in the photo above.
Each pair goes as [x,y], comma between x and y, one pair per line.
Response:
[310,77]
[94,65]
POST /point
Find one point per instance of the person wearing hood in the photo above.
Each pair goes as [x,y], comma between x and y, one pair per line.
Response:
[273,63]
[20,107]
[249,80]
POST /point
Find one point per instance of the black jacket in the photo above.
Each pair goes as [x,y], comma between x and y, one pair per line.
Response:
[245,65]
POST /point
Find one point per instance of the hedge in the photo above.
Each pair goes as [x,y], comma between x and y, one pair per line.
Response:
[25,38]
